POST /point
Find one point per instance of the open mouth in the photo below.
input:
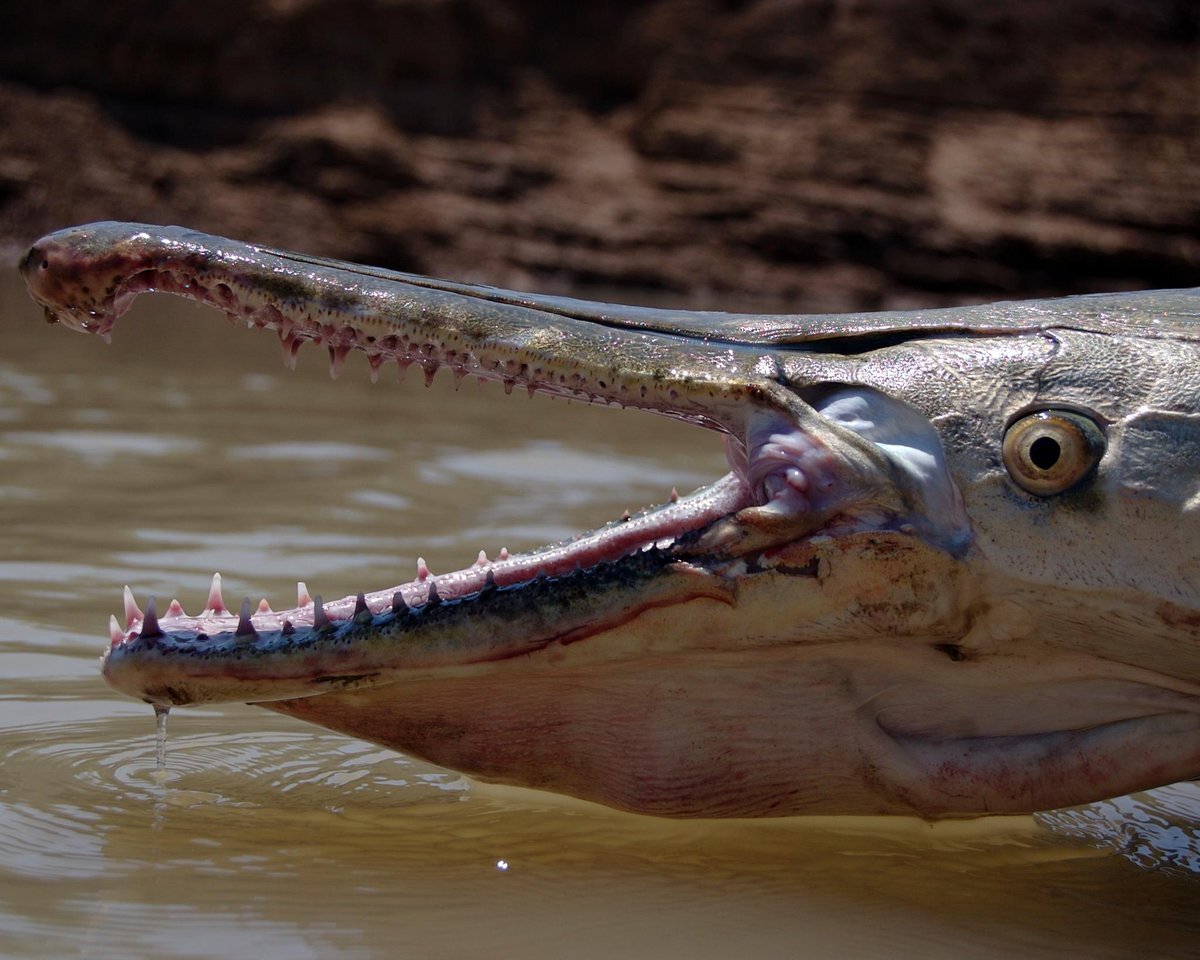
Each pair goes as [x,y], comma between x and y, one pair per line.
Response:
[799,464]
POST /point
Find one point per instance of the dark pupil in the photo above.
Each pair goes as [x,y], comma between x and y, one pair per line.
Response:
[1044,452]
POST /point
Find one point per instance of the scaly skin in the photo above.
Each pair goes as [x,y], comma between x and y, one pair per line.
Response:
[871,613]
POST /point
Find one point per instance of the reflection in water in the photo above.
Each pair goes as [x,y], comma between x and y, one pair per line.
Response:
[130,464]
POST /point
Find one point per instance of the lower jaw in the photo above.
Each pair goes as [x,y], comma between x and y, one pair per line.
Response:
[544,618]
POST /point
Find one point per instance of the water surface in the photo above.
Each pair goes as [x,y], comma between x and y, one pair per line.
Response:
[185,448]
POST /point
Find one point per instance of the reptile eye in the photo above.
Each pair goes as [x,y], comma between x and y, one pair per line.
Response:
[1052,450]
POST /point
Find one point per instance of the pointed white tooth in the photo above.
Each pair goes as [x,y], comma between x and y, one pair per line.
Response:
[374,362]
[422,569]
[302,597]
[504,554]
[114,630]
[215,602]
[175,609]
[674,495]
[289,346]
[263,607]
[337,360]
[482,559]
[132,613]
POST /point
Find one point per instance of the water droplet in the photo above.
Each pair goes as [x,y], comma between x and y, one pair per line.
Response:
[160,741]
[501,865]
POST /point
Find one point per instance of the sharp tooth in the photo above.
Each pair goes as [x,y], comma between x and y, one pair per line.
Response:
[321,620]
[289,346]
[245,628]
[132,613]
[482,560]
[362,613]
[402,366]
[504,554]
[175,609]
[431,369]
[422,569]
[375,361]
[150,627]
[508,385]
[215,603]
[398,604]
[626,517]
[264,607]
[674,495]
[302,597]
[337,359]
[433,597]
[114,630]
[489,582]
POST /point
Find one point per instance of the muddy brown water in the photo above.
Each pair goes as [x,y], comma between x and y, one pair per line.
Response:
[186,447]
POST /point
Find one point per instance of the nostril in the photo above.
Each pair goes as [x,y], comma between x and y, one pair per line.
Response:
[34,259]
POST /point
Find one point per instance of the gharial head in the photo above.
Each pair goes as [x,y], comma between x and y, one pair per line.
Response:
[953,569]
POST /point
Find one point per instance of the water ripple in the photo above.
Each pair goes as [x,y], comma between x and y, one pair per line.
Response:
[1157,830]
[97,775]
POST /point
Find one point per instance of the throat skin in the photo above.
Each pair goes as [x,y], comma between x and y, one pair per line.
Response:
[875,611]
[738,716]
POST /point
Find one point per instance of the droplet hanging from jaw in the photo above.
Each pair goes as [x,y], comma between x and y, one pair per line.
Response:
[161,710]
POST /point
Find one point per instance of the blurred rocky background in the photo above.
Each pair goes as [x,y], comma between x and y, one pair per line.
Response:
[803,154]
